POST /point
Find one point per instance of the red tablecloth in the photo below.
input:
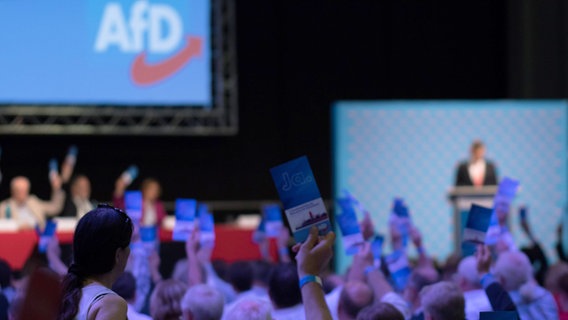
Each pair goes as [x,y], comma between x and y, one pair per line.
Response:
[231,244]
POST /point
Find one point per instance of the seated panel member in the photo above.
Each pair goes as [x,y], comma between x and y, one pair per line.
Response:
[27,209]
[477,171]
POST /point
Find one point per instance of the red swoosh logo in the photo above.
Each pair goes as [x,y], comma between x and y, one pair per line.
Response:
[146,74]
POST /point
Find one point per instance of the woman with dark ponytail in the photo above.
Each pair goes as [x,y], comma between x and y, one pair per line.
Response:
[100,252]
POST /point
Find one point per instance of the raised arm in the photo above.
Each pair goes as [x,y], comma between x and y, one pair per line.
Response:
[498,297]
[194,268]
[55,204]
[313,256]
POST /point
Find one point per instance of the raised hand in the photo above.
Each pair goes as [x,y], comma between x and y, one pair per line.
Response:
[314,254]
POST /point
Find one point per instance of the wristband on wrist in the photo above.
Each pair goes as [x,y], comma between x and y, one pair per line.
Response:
[283,251]
[310,278]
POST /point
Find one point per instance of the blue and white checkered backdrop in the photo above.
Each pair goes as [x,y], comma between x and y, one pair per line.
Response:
[385,149]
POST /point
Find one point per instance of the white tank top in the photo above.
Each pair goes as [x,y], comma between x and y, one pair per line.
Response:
[89,295]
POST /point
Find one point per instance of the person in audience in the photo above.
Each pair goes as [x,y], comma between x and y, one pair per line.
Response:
[78,202]
[27,209]
[202,302]
[514,271]
[250,309]
[6,287]
[380,311]
[284,293]
[442,301]
[418,280]
[261,275]
[100,252]
[165,301]
[498,297]
[476,171]
[125,286]
[153,211]
[241,277]
[475,297]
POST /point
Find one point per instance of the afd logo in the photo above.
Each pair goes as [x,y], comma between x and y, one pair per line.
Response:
[295,180]
[147,28]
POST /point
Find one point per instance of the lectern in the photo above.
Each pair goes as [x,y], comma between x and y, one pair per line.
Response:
[462,197]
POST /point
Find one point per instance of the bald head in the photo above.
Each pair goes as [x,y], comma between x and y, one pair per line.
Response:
[467,276]
[355,296]
[20,189]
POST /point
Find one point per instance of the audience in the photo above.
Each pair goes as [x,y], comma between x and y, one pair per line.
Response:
[250,309]
[165,301]
[475,297]
[202,302]
[284,293]
[105,243]
[533,302]
[28,210]
[442,301]
[125,286]
[100,252]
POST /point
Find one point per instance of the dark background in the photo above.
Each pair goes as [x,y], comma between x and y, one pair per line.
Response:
[295,58]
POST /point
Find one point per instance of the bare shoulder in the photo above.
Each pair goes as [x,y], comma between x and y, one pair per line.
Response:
[109,307]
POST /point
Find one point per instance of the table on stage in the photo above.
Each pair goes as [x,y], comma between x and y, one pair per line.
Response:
[231,244]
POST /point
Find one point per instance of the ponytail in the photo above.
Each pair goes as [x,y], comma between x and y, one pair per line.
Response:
[72,285]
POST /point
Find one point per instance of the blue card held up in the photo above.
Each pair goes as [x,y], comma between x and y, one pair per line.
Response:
[399,268]
[71,156]
[401,218]
[130,174]
[133,205]
[273,220]
[206,227]
[149,237]
[46,235]
[301,198]
[477,224]
[349,226]
[377,249]
[53,168]
[259,234]
[185,219]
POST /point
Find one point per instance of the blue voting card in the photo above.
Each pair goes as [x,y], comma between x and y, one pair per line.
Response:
[401,217]
[508,188]
[185,219]
[301,198]
[349,226]
[46,235]
[399,269]
[273,220]
[259,234]
[206,227]
[149,237]
[130,174]
[477,224]
[377,249]
[498,315]
[71,156]
[53,168]
[355,201]
[133,205]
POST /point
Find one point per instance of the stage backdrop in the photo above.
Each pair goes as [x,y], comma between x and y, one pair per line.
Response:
[385,149]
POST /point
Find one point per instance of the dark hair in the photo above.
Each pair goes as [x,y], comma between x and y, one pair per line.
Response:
[240,275]
[125,286]
[476,144]
[262,270]
[98,235]
[221,269]
[5,274]
[283,286]
[380,311]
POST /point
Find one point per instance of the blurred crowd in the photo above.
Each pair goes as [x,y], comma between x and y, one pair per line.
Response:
[114,276]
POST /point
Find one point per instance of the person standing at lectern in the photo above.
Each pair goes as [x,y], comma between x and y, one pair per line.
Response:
[477,171]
